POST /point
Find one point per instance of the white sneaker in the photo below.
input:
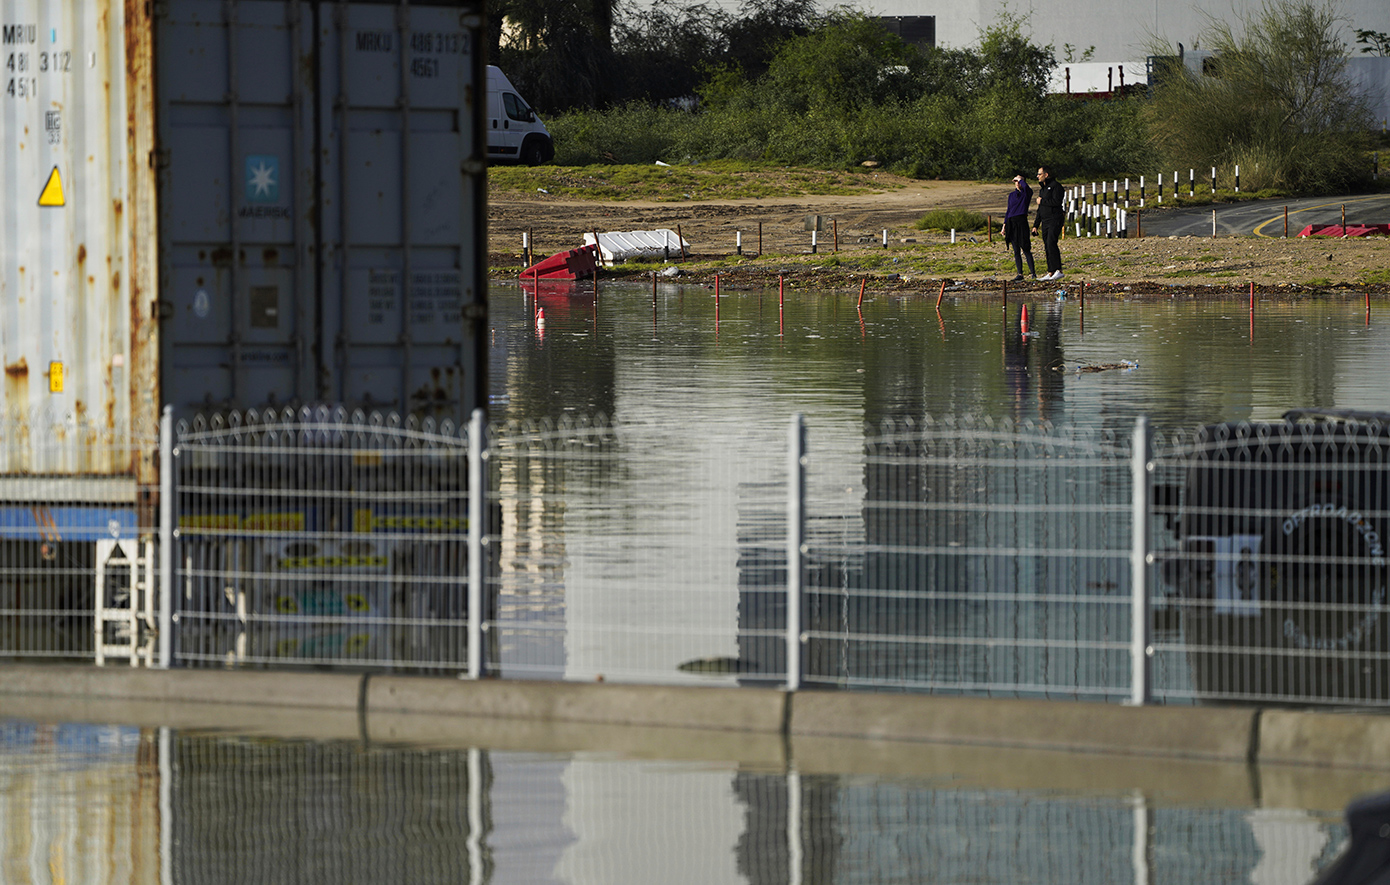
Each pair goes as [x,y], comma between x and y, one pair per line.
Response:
[1056,276]
[1047,276]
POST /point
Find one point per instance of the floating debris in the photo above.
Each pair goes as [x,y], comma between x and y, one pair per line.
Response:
[716,665]
[1105,367]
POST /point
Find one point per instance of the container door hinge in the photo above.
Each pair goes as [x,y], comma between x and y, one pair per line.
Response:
[159,158]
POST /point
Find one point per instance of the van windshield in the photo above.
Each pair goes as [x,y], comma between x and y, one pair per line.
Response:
[516,108]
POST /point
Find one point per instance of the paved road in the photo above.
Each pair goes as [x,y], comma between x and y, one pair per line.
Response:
[1265,218]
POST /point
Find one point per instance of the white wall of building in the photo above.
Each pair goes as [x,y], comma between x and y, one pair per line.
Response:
[1116,29]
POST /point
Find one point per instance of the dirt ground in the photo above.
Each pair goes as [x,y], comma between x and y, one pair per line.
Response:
[850,248]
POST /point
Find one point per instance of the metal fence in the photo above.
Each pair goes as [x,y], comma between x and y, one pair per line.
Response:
[984,558]
[1229,563]
[1276,563]
[321,538]
[69,489]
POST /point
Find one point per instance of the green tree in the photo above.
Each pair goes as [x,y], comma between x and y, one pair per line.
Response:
[661,51]
[852,61]
[1276,100]
[1373,42]
[1009,61]
[556,51]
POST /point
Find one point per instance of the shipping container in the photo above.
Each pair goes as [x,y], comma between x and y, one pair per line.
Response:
[233,204]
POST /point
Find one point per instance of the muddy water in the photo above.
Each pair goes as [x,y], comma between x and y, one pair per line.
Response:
[304,800]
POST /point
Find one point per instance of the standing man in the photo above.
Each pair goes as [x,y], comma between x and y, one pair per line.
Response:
[1015,228]
[1048,222]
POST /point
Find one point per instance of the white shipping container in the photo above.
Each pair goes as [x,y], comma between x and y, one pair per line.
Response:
[237,204]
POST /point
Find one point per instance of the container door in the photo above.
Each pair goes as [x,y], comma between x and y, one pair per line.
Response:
[237,200]
[404,238]
[323,223]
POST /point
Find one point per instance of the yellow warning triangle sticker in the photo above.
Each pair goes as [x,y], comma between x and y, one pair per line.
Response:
[53,191]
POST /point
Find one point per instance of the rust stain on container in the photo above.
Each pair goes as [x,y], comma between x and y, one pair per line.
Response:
[141,218]
[18,369]
[81,252]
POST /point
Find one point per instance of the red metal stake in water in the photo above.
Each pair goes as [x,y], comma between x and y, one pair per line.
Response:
[716,303]
[862,283]
[781,326]
[940,295]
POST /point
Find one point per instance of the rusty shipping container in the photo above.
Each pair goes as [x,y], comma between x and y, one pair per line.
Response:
[218,204]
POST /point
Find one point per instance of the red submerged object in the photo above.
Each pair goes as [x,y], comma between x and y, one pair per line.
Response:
[572,265]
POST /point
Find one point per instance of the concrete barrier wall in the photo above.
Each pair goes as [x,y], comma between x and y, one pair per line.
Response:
[1191,732]
[645,719]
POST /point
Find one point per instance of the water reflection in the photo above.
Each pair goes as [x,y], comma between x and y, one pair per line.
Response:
[108,804]
[632,355]
[681,538]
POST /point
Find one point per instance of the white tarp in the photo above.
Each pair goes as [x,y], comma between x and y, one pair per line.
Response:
[620,246]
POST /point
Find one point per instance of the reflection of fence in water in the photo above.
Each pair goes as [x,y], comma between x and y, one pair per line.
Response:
[227,808]
[994,558]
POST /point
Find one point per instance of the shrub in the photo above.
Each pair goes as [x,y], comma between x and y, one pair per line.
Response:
[951,219]
[1277,100]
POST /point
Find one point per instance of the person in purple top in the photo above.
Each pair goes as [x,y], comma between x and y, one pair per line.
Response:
[1015,229]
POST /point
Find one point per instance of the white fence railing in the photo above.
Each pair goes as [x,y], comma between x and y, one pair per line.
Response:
[1236,563]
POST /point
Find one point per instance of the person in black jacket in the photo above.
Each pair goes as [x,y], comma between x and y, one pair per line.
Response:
[1015,229]
[1048,221]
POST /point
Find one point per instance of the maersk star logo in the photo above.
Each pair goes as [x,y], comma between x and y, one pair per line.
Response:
[262,178]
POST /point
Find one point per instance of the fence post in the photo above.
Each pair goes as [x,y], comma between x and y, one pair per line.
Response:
[166,537]
[796,529]
[477,492]
[1140,651]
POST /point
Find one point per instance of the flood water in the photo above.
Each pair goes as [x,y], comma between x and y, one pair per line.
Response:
[116,803]
[143,800]
[640,571]
[752,362]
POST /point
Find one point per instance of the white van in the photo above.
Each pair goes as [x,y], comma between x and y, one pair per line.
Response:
[514,132]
